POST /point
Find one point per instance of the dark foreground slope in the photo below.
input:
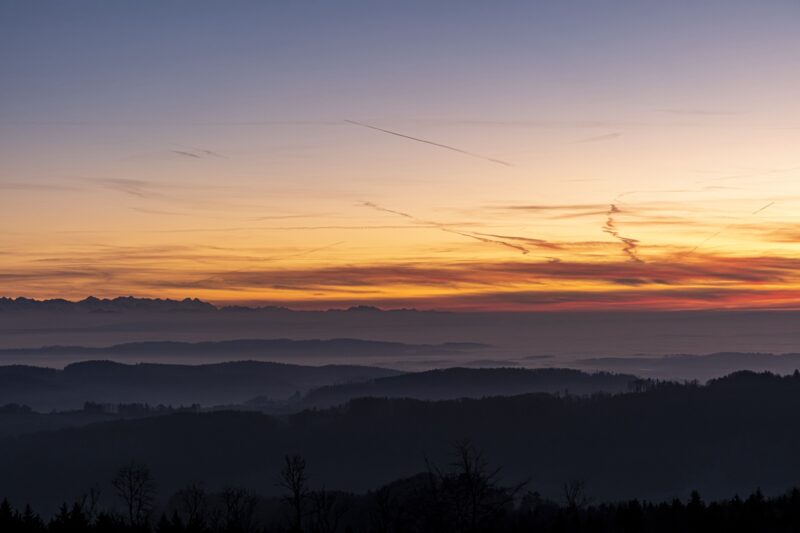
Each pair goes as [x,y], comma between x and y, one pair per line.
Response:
[214,384]
[730,436]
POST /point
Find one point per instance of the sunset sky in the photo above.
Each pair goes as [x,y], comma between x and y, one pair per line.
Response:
[534,155]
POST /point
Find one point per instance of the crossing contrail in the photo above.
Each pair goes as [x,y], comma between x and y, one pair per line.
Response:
[722,230]
[482,237]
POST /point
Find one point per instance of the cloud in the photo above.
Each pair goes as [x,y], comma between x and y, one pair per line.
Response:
[696,112]
[549,207]
[286,217]
[196,153]
[704,281]
[157,212]
[133,187]
[709,271]
[757,174]
[19,186]
[630,247]
[599,138]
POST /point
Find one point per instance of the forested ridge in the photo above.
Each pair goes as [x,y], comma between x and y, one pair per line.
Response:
[463,496]
[657,442]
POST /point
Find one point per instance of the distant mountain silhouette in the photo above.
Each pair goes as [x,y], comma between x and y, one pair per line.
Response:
[731,436]
[214,384]
[95,305]
[131,303]
[452,383]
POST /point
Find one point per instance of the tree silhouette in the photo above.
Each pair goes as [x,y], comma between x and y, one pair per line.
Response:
[238,509]
[469,495]
[192,501]
[136,488]
[327,510]
[293,479]
[574,492]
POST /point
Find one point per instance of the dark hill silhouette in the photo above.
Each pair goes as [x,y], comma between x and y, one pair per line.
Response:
[452,383]
[701,367]
[271,349]
[165,387]
[262,347]
[213,384]
[731,436]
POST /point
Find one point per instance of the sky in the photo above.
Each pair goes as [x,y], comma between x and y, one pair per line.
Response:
[439,155]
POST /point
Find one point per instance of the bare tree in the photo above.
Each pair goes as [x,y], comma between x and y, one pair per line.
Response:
[193,504]
[88,501]
[135,486]
[293,479]
[239,507]
[328,508]
[575,495]
[385,512]
[470,494]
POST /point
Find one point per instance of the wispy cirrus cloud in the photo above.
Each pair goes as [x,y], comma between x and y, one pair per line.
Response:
[39,187]
[705,281]
[696,111]
[599,138]
[196,153]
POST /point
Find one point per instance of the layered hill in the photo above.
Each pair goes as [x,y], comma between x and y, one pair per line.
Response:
[208,385]
[452,383]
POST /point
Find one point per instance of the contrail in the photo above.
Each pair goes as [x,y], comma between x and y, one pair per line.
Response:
[454,149]
[446,228]
[477,237]
[527,240]
[399,213]
[717,234]
[222,275]
[704,241]
[610,228]
[757,211]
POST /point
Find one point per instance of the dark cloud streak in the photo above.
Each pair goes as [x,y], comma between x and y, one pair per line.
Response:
[630,245]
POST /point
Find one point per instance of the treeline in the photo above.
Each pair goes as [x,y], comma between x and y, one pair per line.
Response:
[137,409]
[465,496]
[727,437]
